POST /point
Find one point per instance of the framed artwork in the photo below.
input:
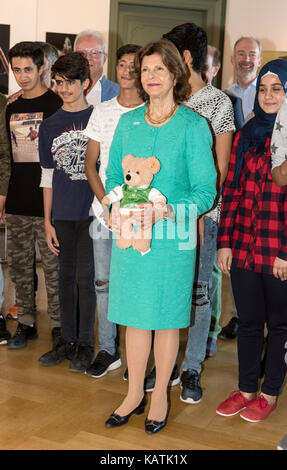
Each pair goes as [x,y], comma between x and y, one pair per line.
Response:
[62,41]
[271,55]
[4,64]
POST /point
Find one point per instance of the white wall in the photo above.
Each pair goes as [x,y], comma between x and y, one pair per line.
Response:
[72,16]
[31,19]
[264,19]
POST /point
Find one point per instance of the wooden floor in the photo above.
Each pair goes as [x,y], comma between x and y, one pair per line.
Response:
[55,409]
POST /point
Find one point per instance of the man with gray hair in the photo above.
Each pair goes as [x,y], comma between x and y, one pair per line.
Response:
[51,54]
[246,59]
[93,45]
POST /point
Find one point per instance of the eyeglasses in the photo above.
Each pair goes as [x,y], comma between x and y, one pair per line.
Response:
[92,53]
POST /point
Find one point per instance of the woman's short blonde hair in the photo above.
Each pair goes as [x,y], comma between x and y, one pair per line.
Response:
[172,60]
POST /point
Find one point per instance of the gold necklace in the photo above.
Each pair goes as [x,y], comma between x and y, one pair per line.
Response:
[153,121]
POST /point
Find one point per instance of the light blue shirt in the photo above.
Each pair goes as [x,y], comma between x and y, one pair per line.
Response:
[247,96]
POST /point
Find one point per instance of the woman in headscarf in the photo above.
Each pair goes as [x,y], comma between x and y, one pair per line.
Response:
[252,249]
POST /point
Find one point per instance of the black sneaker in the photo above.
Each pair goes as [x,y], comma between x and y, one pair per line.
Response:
[151,377]
[82,358]
[4,333]
[103,363]
[230,331]
[23,334]
[191,391]
[61,352]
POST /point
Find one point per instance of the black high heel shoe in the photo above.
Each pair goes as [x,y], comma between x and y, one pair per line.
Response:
[116,420]
[152,427]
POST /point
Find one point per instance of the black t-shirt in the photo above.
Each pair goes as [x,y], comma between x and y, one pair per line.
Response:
[23,119]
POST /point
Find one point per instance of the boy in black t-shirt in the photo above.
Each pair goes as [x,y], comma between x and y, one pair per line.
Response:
[24,203]
[67,201]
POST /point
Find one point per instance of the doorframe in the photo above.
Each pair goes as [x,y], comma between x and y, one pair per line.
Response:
[216,14]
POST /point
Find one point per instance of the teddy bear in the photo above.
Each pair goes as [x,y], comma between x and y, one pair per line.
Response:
[138,175]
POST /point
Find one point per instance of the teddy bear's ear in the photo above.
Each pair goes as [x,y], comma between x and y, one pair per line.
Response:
[153,164]
[126,161]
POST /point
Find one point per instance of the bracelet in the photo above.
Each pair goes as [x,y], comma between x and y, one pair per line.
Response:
[169,213]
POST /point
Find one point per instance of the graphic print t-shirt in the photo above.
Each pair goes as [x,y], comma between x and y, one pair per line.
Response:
[62,146]
[23,119]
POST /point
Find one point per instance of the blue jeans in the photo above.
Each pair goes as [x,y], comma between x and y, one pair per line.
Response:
[195,350]
[215,299]
[102,245]
[1,286]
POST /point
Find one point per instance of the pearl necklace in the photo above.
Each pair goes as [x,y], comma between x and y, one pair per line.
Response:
[153,121]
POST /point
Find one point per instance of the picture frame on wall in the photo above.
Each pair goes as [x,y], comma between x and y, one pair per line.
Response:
[4,63]
[272,55]
[64,42]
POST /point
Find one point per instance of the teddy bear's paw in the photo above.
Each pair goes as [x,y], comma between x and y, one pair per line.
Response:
[141,245]
[124,243]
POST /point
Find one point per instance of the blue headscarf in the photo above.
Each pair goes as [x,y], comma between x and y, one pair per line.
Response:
[256,131]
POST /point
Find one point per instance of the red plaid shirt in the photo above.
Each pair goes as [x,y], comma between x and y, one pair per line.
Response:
[253,220]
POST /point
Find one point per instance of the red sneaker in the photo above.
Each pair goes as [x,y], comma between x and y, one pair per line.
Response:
[257,410]
[235,403]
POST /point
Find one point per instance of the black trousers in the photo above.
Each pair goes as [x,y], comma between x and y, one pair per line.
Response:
[261,300]
[76,281]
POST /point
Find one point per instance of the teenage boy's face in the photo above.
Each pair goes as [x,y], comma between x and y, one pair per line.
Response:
[26,73]
[124,68]
[71,91]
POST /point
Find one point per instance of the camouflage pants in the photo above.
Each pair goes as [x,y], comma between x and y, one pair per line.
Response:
[22,233]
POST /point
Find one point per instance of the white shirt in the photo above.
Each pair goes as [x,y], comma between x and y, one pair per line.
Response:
[95,94]
[101,128]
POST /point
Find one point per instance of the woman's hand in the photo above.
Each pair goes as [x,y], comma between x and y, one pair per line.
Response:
[51,238]
[224,260]
[148,216]
[280,269]
[114,220]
